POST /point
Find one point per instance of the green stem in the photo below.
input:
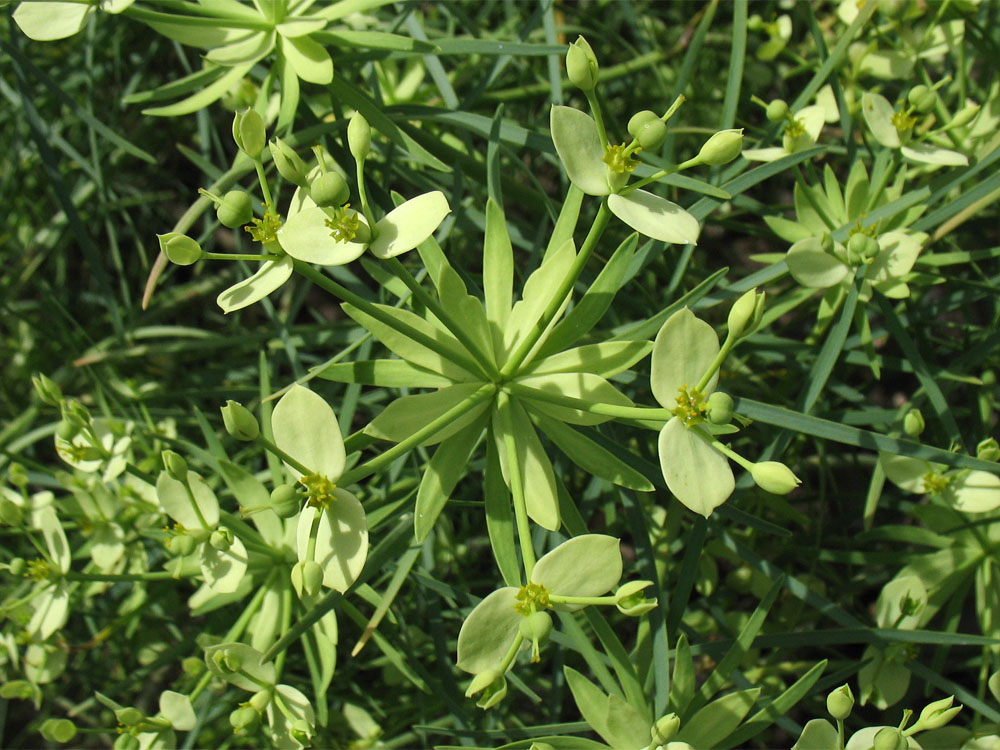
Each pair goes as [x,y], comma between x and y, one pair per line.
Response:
[840,734]
[598,600]
[692,162]
[384,459]
[565,287]
[404,275]
[299,467]
[727,347]
[366,208]
[511,653]
[647,413]
[194,506]
[516,485]
[240,256]
[262,179]
[310,618]
[331,286]
[724,450]
[160,575]
[595,108]
[286,619]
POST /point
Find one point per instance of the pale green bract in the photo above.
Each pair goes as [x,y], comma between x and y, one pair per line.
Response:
[578,144]
[306,428]
[881,119]
[969,491]
[697,474]
[810,119]
[47,21]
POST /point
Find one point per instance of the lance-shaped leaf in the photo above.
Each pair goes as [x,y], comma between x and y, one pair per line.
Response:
[387,373]
[498,270]
[684,349]
[697,474]
[407,414]
[341,539]
[489,631]
[223,570]
[306,428]
[538,292]
[655,217]
[580,385]
[251,49]
[307,57]
[588,565]
[248,660]
[406,226]
[201,514]
[575,136]
[606,359]
[306,236]
[713,723]
[538,478]
[446,468]
[271,275]
[813,267]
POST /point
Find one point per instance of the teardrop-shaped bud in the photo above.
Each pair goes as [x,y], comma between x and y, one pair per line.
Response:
[175,465]
[240,421]
[359,136]
[840,702]
[581,65]
[179,248]
[288,163]
[722,147]
[249,133]
[774,477]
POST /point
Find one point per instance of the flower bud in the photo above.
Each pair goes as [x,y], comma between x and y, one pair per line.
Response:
[861,248]
[181,545]
[988,450]
[359,136]
[935,715]
[67,430]
[913,423]
[581,65]
[630,600]
[890,738]
[719,408]
[261,700]
[329,190]
[776,111]
[722,147]
[493,686]
[301,730]
[129,717]
[741,313]
[244,720]
[58,730]
[647,128]
[840,702]
[221,539]
[288,163]
[964,116]
[240,421]
[774,477]
[17,566]
[307,578]
[10,512]
[664,729]
[47,390]
[235,209]
[248,132]
[126,742]
[921,98]
[285,500]
[17,475]
[179,248]
[175,465]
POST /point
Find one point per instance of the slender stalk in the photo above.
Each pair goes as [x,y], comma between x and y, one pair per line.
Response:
[302,468]
[384,459]
[586,250]
[692,162]
[337,290]
[156,575]
[557,599]
[648,413]
[240,256]
[516,485]
[727,346]
[404,275]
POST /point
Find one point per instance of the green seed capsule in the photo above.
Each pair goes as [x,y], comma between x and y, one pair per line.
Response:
[235,210]
[777,110]
[329,190]
[647,128]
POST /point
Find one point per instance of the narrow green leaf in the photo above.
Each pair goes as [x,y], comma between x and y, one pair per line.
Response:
[446,468]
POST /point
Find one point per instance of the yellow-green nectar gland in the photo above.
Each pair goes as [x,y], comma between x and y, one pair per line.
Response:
[618,161]
[344,225]
[903,121]
[266,228]
[319,489]
[794,127]
[935,482]
[531,598]
[871,230]
[691,406]
[39,570]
